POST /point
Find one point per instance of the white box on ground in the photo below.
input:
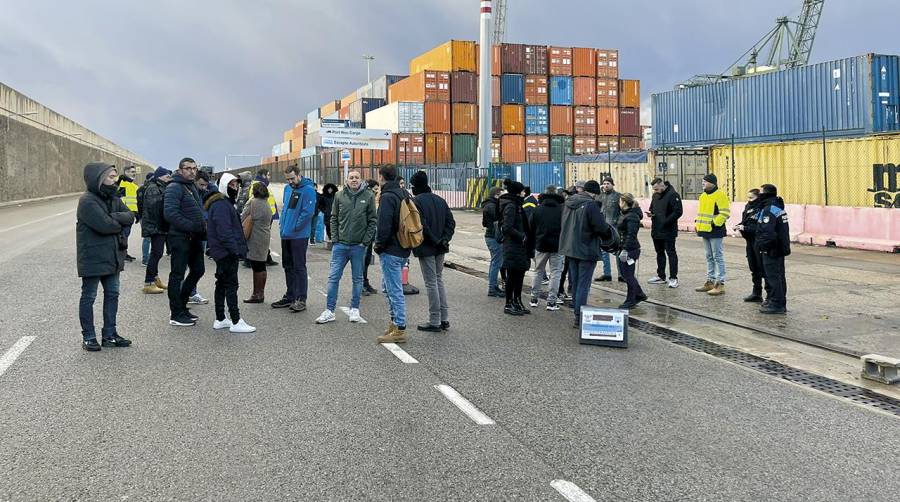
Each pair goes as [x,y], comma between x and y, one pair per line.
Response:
[607,327]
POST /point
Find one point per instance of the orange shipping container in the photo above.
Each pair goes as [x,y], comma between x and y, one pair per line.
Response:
[410,148]
[465,118]
[329,108]
[537,149]
[288,135]
[607,92]
[607,121]
[422,87]
[607,143]
[536,90]
[512,118]
[389,156]
[584,62]
[437,118]
[561,61]
[607,63]
[455,55]
[437,148]
[344,113]
[585,121]
[630,93]
[512,148]
[561,121]
[585,144]
[349,98]
[495,91]
[585,91]
[495,60]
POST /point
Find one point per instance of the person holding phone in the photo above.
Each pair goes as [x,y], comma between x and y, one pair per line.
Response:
[628,226]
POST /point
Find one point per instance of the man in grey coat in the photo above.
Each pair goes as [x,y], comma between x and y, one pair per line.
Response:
[609,205]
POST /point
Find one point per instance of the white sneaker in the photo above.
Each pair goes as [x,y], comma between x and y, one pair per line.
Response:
[327,316]
[222,324]
[242,327]
[354,315]
[673,283]
[533,302]
[656,280]
[197,300]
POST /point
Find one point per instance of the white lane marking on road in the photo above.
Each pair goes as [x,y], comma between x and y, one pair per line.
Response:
[570,491]
[464,405]
[400,353]
[45,218]
[346,310]
[9,357]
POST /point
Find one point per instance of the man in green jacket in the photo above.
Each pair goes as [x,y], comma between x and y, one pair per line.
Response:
[353,224]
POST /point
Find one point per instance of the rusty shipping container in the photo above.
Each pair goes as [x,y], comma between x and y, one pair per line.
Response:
[585,89]
[344,113]
[560,61]
[512,148]
[464,118]
[630,122]
[607,121]
[536,60]
[585,121]
[537,148]
[495,60]
[495,149]
[437,148]
[495,91]
[584,62]
[535,90]
[585,144]
[437,118]
[561,121]
[607,63]
[512,58]
[422,87]
[629,143]
[496,121]
[630,93]
[329,108]
[463,87]
[410,148]
[607,92]
[607,143]
[455,55]
[513,119]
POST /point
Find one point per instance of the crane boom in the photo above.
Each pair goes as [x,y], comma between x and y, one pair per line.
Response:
[499,21]
[808,24]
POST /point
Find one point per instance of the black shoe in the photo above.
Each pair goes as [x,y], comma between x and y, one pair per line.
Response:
[282,304]
[91,345]
[576,324]
[640,298]
[247,264]
[521,307]
[409,289]
[182,320]
[193,316]
[511,309]
[298,306]
[128,257]
[753,298]
[771,309]
[369,290]
[116,341]
[604,278]
[496,293]
[764,304]
[429,328]
[270,262]
[445,325]
[621,279]
[627,306]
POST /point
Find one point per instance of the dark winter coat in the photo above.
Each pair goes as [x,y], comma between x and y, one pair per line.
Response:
[583,226]
[666,210]
[389,220]
[609,204]
[438,224]
[514,224]
[183,208]
[530,204]
[546,223]
[153,219]
[326,200]
[102,216]
[773,236]
[225,235]
[748,218]
[490,212]
[628,226]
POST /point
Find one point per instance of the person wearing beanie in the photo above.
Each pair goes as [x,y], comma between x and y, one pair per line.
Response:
[712,212]
[517,256]
[438,226]
[609,204]
[583,228]
[145,241]
[773,241]
[154,227]
[490,214]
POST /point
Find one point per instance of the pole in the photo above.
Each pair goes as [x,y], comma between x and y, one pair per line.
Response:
[346,170]
[733,188]
[368,59]
[484,88]
[825,165]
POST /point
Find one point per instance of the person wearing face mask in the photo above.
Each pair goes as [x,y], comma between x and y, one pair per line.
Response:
[100,250]
[230,187]
[183,211]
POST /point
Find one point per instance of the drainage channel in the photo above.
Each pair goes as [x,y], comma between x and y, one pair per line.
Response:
[769,367]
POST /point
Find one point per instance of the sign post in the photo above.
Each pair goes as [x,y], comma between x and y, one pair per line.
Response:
[345,158]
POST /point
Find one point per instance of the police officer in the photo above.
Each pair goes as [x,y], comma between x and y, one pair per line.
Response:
[773,243]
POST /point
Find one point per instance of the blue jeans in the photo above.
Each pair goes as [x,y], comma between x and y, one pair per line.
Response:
[580,275]
[607,267]
[110,305]
[391,278]
[715,258]
[340,255]
[496,250]
[145,250]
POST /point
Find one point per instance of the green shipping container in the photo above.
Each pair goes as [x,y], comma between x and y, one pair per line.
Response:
[560,146]
[464,147]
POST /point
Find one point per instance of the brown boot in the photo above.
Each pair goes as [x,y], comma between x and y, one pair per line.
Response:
[718,290]
[391,327]
[708,286]
[152,289]
[394,335]
[160,284]
[259,288]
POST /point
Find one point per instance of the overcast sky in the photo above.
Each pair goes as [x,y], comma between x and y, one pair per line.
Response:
[203,78]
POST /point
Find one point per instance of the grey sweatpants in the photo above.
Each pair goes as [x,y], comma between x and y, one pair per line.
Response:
[433,276]
[556,262]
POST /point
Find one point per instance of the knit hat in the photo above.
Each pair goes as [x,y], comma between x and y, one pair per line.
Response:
[579,184]
[513,187]
[592,187]
[419,179]
[711,178]
[609,179]
[160,172]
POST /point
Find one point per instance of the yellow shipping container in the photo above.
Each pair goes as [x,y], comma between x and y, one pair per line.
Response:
[349,98]
[629,177]
[455,55]
[856,172]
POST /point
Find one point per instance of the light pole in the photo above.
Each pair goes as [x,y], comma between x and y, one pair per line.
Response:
[369,60]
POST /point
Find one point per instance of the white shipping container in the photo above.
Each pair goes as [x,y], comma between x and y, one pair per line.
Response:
[313,139]
[285,148]
[276,150]
[313,125]
[399,117]
[313,116]
[378,88]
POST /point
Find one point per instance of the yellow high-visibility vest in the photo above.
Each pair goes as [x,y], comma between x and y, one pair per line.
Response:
[271,199]
[707,216]
[130,198]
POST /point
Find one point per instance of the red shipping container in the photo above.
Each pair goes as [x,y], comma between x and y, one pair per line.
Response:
[535,90]
[496,122]
[584,62]
[513,119]
[463,87]
[536,60]
[629,143]
[607,92]
[607,121]
[495,59]
[537,149]
[423,86]
[437,118]
[607,63]
[495,149]
[357,157]
[561,121]
[607,143]
[437,148]
[344,113]
[585,91]
[368,157]
[512,58]
[585,144]
[465,118]
[495,91]
[560,61]
[585,121]
[410,149]
[630,122]
[389,156]
[512,148]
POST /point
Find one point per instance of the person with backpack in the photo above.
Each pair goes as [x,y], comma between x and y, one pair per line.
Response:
[399,230]
[154,227]
[517,252]
[490,214]
[438,226]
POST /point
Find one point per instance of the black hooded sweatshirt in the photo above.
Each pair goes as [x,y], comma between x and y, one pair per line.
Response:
[101,218]
[546,223]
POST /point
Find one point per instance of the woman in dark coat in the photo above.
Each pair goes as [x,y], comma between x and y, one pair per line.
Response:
[628,226]
[326,202]
[516,249]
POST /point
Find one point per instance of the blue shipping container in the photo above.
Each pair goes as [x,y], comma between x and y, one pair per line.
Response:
[512,89]
[537,120]
[561,91]
[539,174]
[847,97]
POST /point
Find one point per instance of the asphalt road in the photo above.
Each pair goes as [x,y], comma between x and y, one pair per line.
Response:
[305,412]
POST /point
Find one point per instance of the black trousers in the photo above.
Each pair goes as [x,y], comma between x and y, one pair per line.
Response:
[187,253]
[665,247]
[757,271]
[227,288]
[634,287]
[515,278]
[775,280]
[157,245]
[368,263]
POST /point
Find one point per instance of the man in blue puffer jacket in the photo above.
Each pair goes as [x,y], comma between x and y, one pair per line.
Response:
[187,230]
[298,207]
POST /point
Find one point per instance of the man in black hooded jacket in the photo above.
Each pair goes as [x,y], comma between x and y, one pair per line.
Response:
[545,226]
[438,226]
[773,240]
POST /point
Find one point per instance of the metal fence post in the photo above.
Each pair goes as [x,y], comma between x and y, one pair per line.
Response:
[733,187]
[825,164]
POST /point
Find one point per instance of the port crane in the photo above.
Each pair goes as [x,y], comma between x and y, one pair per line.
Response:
[499,21]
